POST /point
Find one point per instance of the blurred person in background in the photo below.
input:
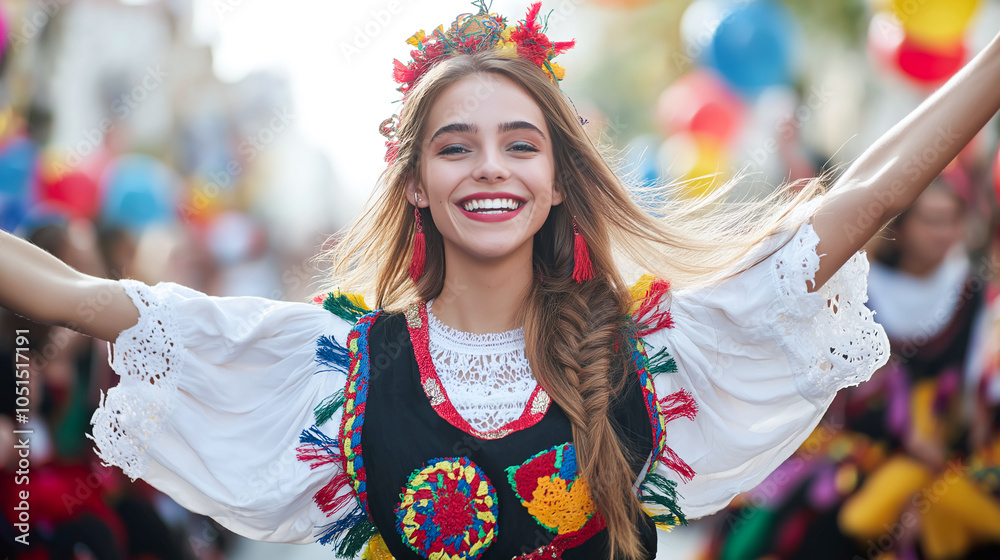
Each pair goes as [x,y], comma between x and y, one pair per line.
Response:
[889,473]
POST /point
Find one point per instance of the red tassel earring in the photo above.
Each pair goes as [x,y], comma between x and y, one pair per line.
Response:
[582,268]
[419,249]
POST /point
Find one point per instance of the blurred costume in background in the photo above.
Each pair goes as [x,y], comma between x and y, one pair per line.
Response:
[895,471]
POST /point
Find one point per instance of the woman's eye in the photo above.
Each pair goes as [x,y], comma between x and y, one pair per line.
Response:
[452,149]
[523,147]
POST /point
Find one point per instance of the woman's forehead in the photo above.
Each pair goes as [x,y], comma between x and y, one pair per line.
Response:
[485,101]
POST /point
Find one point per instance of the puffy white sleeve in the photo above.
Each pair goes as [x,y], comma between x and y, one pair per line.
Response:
[763,358]
[213,396]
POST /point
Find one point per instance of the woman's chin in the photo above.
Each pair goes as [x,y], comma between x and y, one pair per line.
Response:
[499,250]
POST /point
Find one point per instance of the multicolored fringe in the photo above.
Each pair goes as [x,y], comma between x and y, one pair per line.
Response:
[656,491]
[352,532]
[648,309]
[349,307]
[661,362]
[660,493]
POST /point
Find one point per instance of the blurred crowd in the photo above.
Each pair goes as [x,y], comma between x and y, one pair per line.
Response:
[123,155]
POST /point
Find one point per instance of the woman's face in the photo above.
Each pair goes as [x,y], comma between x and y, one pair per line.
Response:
[932,228]
[487,168]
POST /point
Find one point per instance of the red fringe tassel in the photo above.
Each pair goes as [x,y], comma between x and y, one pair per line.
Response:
[673,462]
[651,315]
[315,456]
[678,405]
[419,249]
[583,270]
[328,500]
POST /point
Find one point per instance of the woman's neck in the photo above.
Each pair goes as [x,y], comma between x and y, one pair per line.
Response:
[919,268]
[484,296]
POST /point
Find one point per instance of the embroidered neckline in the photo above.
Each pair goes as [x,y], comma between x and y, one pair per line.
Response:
[417,321]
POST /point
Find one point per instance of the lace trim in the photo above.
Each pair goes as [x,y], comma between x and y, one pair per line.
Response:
[487,376]
[148,359]
[829,336]
[470,343]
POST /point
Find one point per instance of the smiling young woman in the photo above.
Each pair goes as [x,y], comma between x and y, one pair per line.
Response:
[512,393]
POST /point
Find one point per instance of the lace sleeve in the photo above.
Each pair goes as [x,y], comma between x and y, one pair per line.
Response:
[762,358]
[213,399]
[830,336]
[149,361]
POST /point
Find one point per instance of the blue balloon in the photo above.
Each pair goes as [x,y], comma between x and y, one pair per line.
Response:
[753,46]
[12,212]
[17,167]
[640,169]
[139,191]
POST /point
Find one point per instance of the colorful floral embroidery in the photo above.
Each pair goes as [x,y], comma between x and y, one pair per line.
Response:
[416,321]
[448,510]
[548,485]
[376,550]
[354,527]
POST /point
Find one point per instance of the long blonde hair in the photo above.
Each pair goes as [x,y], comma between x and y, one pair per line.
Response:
[570,328]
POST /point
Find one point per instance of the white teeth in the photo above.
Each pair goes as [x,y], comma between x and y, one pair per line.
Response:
[491,205]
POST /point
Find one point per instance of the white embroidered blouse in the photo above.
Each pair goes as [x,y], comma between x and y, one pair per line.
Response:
[215,391]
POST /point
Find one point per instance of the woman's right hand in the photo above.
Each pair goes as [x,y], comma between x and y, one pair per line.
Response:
[42,288]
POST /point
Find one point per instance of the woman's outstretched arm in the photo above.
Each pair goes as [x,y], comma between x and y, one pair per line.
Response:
[39,286]
[893,172]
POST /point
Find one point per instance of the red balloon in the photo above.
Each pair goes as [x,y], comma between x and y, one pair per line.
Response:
[996,174]
[700,103]
[74,192]
[888,44]
[930,65]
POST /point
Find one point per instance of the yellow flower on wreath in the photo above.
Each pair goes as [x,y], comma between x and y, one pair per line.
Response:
[416,38]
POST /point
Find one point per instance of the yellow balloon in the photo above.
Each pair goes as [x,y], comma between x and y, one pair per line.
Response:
[935,22]
[700,163]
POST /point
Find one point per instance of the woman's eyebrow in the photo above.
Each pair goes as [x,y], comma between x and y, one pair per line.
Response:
[454,127]
[519,125]
[502,128]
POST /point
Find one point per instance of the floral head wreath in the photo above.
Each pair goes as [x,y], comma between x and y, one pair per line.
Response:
[469,34]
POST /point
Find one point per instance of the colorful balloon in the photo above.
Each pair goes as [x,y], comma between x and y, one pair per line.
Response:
[698,25]
[996,174]
[640,167]
[74,192]
[891,47]
[752,46]
[17,166]
[139,191]
[700,103]
[929,65]
[935,23]
[698,163]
